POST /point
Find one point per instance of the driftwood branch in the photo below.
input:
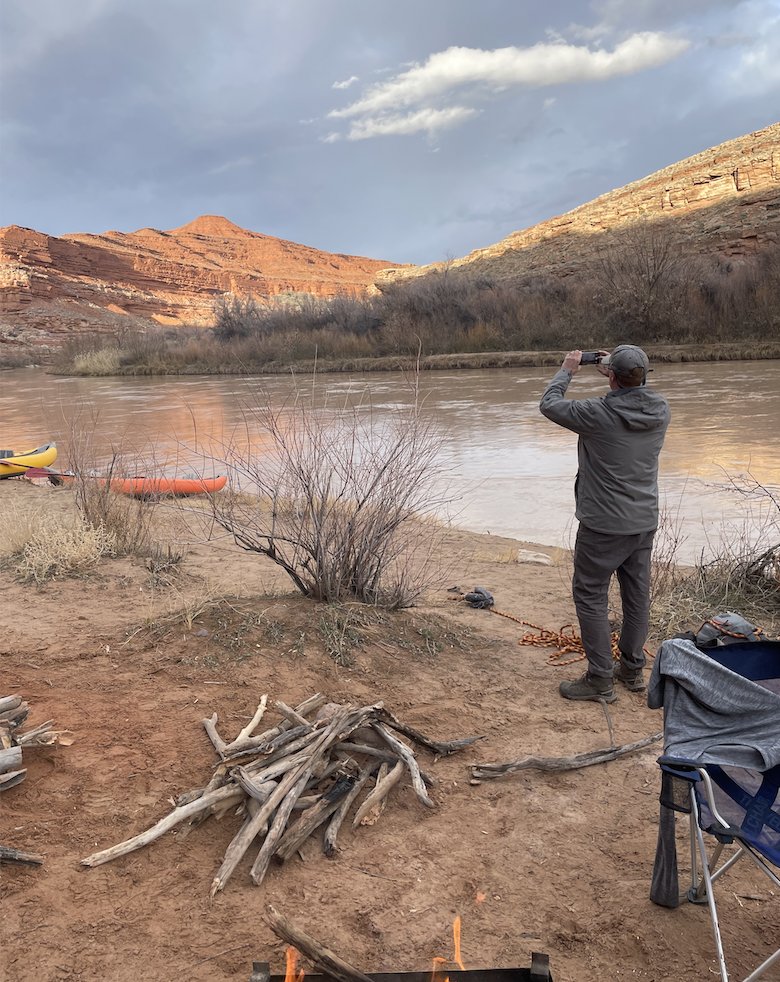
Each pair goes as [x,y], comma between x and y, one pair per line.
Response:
[13,713]
[440,748]
[320,956]
[229,792]
[11,778]
[382,789]
[19,858]
[332,831]
[484,772]
[276,832]
[10,759]
[250,727]
[407,757]
[313,817]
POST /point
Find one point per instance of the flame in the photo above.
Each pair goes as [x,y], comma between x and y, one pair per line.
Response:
[456,939]
[439,962]
[291,973]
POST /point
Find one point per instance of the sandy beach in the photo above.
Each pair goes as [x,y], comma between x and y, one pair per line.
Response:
[557,863]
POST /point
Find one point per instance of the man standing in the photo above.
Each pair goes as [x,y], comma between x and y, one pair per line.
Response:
[616,492]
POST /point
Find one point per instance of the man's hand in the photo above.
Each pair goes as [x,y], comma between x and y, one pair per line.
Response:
[604,369]
[571,363]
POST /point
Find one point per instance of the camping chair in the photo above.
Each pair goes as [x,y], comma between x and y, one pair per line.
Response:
[721,765]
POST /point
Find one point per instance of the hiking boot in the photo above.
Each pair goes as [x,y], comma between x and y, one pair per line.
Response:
[632,678]
[589,687]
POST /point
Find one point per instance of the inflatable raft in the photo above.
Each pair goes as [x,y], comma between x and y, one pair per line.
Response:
[13,464]
[178,487]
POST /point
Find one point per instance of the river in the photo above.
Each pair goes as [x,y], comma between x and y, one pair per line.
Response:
[510,472]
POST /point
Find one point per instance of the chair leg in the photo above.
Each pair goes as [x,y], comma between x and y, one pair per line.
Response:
[707,882]
[772,960]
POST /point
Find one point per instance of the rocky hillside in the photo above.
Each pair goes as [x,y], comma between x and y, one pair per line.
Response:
[723,203]
[51,287]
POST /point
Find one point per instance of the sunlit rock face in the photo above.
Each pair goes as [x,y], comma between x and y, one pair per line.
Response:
[723,203]
[52,287]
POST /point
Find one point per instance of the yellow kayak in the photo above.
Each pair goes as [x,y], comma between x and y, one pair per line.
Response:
[14,464]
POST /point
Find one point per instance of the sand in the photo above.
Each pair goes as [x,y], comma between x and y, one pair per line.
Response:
[557,863]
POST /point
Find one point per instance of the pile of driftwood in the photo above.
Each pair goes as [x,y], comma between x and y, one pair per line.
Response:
[13,713]
[301,774]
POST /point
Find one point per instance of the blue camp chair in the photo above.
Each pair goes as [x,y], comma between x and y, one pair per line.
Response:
[721,765]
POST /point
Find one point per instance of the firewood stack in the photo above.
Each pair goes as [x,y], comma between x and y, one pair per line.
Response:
[299,775]
[13,713]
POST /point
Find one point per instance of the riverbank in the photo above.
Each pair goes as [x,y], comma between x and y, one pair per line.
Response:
[108,361]
[132,664]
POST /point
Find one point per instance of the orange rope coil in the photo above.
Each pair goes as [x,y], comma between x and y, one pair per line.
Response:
[566,640]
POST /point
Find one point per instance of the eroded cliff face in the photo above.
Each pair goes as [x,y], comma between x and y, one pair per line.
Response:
[723,203]
[51,287]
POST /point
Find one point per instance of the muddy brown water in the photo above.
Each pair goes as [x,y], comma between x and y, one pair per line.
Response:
[506,469]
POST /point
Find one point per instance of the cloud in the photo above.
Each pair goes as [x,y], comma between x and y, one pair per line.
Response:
[423,120]
[759,68]
[379,110]
[346,83]
[229,165]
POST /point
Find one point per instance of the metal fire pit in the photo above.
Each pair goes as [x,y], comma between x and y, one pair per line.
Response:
[538,972]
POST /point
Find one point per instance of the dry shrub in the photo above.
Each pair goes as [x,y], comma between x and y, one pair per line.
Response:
[61,547]
[103,361]
[342,627]
[743,575]
[164,564]
[128,520]
[17,527]
[337,498]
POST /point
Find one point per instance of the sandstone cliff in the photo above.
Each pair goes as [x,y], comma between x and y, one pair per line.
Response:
[51,287]
[722,203]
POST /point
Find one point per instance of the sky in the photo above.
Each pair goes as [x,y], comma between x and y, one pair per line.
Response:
[415,131]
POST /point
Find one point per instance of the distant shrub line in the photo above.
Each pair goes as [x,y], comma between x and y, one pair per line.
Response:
[644,289]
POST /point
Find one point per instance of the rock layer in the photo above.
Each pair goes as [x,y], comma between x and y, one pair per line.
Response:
[52,286]
[723,202]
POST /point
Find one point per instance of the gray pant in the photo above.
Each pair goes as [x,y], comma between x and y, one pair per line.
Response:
[597,556]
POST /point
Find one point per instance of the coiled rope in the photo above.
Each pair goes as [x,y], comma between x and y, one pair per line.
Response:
[566,640]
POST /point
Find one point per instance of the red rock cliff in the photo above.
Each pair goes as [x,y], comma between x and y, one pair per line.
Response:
[51,286]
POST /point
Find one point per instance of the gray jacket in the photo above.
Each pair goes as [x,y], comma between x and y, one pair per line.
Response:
[621,435]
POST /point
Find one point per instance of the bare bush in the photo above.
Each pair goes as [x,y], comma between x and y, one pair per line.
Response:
[335,498]
[129,521]
[237,317]
[642,280]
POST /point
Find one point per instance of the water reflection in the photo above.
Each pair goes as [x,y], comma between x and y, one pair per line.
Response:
[510,471]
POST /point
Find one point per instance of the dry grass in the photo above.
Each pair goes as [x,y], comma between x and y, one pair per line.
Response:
[17,527]
[743,576]
[101,361]
[58,546]
[343,628]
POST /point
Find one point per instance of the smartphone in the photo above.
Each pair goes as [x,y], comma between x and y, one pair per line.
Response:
[590,358]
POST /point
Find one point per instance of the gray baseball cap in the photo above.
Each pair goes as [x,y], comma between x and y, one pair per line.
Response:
[625,358]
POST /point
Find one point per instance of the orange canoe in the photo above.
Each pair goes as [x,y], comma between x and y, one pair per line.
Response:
[179,487]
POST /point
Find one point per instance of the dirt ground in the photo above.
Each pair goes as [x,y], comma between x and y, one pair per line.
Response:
[557,863]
